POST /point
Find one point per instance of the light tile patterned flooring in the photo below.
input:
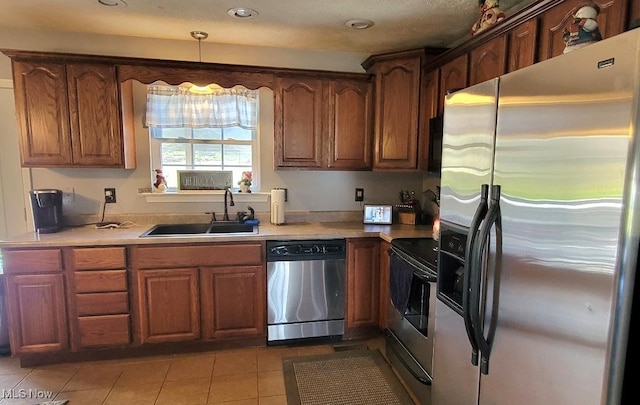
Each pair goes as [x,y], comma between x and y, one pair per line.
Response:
[250,376]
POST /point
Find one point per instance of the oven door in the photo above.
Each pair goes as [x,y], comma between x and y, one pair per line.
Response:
[415,328]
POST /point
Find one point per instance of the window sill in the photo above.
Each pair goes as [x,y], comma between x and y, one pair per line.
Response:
[204,196]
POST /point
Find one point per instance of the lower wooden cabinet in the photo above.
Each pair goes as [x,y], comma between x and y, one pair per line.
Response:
[36,313]
[233,301]
[384,284]
[363,282]
[104,330]
[169,305]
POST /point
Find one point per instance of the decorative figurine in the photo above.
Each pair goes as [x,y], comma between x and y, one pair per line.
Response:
[160,186]
[583,29]
[490,14]
[245,182]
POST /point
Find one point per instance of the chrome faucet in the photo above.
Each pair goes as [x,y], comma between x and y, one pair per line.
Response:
[227,191]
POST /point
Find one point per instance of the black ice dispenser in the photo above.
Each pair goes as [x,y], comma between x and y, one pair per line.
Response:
[47,210]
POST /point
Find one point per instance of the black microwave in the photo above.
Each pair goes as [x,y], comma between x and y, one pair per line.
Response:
[435,144]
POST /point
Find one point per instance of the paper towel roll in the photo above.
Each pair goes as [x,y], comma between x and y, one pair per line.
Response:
[277,206]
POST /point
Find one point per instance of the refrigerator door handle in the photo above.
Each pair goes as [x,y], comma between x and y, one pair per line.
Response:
[493,218]
[470,265]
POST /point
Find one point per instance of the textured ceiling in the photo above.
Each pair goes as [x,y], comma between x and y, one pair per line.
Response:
[298,24]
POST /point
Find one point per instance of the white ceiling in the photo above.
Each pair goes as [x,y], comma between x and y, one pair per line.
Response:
[298,24]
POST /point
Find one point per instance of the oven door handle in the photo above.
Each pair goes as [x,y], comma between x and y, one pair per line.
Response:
[469,291]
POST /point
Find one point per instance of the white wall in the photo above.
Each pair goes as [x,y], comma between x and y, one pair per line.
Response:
[308,190]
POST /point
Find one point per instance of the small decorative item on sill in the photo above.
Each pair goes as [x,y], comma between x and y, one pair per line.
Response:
[583,28]
[490,14]
[160,186]
[245,182]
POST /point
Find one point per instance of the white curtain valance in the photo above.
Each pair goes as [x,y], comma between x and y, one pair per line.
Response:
[177,107]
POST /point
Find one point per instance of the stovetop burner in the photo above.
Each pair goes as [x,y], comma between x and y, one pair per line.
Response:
[424,250]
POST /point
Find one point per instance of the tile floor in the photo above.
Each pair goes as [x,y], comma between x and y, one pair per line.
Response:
[240,377]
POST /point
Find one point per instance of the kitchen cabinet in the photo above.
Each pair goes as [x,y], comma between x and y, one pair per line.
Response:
[36,306]
[363,282]
[429,138]
[322,123]
[396,112]
[98,294]
[349,124]
[169,305]
[488,60]
[233,301]
[384,297]
[195,292]
[611,21]
[634,14]
[522,45]
[73,115]
[453,76]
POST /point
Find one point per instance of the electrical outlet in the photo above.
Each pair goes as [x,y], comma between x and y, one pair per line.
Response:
[359,194]
[109,195]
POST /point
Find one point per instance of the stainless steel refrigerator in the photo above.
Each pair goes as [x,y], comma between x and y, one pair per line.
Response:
[540,217]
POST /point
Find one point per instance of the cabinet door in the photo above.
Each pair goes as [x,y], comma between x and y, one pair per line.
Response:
[453,76]
[611,21]
[488,61]
[522,45]
[94,116]
[363,282]
[298,123]
[634,14]
[233,301]
[349,124]
[383,302]
[36,313]
[396,114]
[428,110]
[169,305]
[42,113]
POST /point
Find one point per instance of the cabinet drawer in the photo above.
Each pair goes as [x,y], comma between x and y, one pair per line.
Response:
[106,330]
[32,261]
[244,254]
[100,281]
[99,258]
[102,303]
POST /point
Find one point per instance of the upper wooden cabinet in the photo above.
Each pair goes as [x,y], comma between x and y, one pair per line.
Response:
[322,123]
[397,102]
[72,115]
[349,124]
[488,60]
[453,76]
[611,21]
[522,45]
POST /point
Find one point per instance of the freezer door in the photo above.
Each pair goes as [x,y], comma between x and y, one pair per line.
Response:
[563,130]
[467,150]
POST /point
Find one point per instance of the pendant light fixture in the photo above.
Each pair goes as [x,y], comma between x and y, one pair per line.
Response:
[200,35]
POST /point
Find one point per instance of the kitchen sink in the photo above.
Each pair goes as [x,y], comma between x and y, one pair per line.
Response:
[208,229]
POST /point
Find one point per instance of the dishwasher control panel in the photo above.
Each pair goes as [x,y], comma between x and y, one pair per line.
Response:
[306,249]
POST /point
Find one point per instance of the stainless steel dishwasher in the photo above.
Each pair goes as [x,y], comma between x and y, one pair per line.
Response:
[305,290]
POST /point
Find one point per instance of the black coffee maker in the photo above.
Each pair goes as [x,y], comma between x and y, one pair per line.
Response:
[47,210]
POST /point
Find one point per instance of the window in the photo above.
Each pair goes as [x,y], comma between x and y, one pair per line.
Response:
[215,131]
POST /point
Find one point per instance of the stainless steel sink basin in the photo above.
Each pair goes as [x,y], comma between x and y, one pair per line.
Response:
[209,229]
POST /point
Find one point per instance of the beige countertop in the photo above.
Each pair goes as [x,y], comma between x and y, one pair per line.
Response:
[90,236]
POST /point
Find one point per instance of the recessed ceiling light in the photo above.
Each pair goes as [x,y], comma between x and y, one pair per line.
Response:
[359,24]
[199,35]
[113,3]
[242,12]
